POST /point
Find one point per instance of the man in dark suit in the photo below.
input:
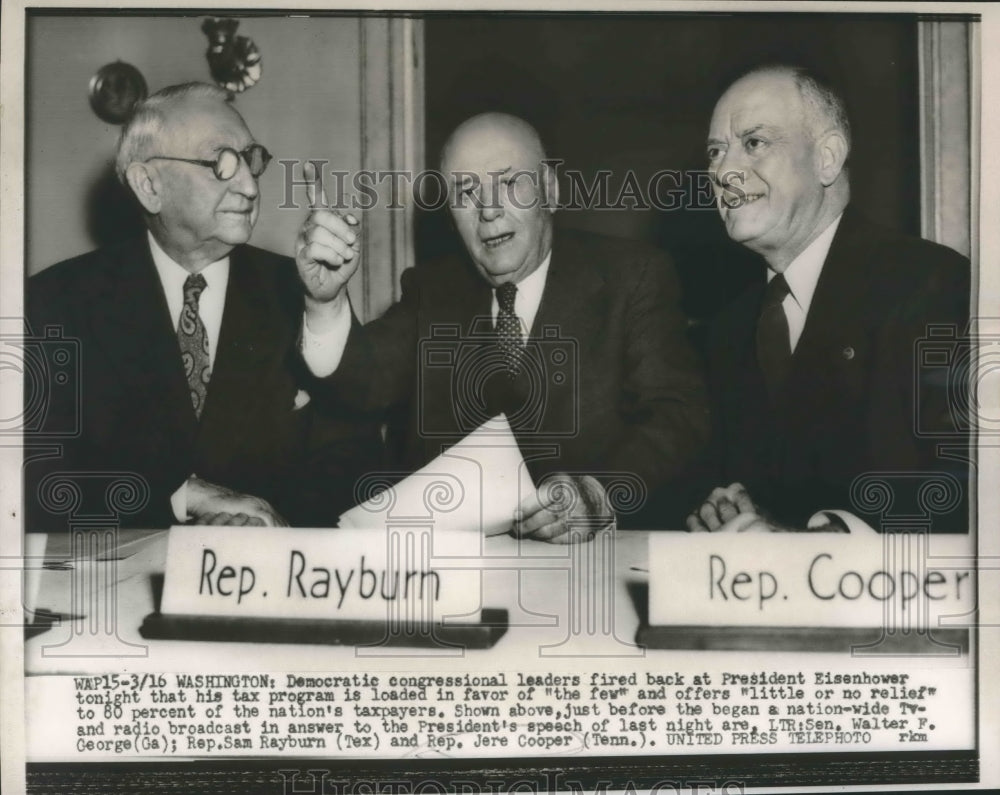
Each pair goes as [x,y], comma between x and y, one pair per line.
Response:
[190,397]
[815,378]
[577,338]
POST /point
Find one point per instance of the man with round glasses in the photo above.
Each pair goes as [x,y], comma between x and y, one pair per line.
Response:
[227,162]
[189,387]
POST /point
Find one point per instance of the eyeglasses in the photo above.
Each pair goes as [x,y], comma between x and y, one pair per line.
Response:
[227,162]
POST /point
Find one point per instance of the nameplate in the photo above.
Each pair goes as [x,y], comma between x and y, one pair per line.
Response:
[356,574]
[810,580]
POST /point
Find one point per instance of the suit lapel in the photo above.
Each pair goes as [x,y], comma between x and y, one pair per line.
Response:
[468,299]
[742,347]
[478,302]
[247,337]
[836,327]
[738,384]
[134,327]
[571,318]
[568,298]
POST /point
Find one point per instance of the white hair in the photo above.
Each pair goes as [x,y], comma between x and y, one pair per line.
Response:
[141,131]
[826,107]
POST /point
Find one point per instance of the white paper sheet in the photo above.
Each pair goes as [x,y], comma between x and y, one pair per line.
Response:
[476,485]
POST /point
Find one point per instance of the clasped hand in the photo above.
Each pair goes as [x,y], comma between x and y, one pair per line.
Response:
[721,506]
[731,509]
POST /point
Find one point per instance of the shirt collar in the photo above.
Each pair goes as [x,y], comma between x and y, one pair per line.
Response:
[529,295]
[534,282]
[802,274]
[173,274]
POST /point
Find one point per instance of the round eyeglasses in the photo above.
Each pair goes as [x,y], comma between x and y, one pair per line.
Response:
[227,162]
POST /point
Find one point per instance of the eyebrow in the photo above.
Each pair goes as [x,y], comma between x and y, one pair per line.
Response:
[750,130]
[465,177]
[219,144]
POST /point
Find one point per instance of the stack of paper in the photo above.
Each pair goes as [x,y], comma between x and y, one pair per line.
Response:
[475,486]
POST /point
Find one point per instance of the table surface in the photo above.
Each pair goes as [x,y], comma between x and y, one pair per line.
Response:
[563,608]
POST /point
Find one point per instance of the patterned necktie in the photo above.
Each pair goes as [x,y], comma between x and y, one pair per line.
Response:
[193,341]
[509,329]
[774,348]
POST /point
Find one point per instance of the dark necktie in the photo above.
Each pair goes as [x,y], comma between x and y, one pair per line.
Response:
[193,341]
[509,329]
[774,348]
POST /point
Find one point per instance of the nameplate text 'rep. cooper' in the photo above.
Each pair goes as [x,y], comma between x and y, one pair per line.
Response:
[356,574]
[810,579]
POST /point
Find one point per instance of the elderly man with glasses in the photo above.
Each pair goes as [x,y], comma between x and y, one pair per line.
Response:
[188,388]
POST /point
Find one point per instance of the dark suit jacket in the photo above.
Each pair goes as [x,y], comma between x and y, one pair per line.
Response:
[862,404]
[610,384]
[127,416]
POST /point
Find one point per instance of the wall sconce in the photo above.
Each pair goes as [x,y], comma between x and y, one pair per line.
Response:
[114,91]
[233,60]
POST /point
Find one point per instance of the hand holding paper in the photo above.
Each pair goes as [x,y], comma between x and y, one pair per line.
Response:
[565,509]
[475,486]
[482,484]
[211,504]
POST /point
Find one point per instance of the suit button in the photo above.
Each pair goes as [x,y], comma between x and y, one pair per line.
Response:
[848,353]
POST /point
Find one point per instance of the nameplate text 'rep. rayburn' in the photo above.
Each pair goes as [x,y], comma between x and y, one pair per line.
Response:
[369,574]
[809,579]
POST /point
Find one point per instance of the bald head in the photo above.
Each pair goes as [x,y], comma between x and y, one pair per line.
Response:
[503,195]
[492,130]
[490,143]
[822,108]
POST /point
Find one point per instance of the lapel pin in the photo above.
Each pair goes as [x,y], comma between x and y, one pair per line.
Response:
[848,353]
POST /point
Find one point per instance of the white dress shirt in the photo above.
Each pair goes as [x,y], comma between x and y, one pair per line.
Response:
[528,297]
[212,301]
[322,352]
[802,274]
[211,304]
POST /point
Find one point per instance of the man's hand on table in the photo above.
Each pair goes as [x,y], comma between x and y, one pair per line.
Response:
[722,507]
[732,510]
[565,509]
[211,504]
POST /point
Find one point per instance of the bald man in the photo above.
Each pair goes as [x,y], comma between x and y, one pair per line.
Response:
[577,338]
[815,378]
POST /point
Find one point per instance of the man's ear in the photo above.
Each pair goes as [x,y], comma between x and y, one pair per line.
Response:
[146,185]
[831,149]
[550,185]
